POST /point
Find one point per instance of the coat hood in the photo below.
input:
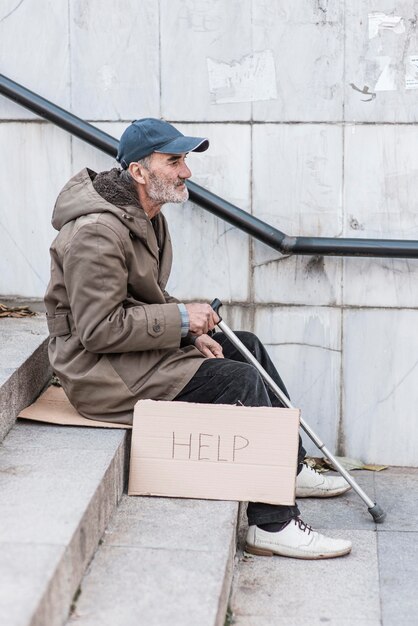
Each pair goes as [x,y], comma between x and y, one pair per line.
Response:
[88,192]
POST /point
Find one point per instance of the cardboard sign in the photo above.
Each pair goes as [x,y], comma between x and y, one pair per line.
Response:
[214,451]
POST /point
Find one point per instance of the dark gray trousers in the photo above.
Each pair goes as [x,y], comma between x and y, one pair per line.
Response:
[234,381]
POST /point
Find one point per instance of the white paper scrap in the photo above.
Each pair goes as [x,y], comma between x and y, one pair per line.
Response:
[380,21]
[387,77]
[411,74]
[248,80]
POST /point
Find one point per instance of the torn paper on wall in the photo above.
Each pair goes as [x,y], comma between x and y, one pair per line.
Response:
[250,79]
[380,21]
[387,77]
[411,74]
[108,76]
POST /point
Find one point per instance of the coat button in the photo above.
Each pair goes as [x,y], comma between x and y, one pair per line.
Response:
[156,328]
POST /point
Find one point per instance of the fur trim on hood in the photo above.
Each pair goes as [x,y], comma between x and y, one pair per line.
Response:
[88,192]
[115,188]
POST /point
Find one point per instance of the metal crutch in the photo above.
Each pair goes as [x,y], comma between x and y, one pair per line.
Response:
[374,509]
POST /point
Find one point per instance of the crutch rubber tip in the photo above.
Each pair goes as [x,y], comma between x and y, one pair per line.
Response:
[377,513]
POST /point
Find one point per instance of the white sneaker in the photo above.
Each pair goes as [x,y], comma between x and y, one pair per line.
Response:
[312,484]
[296,540]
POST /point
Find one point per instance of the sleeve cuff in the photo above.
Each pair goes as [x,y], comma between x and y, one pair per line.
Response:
[184,319]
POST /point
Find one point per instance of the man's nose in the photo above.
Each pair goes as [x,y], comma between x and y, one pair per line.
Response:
[185,172]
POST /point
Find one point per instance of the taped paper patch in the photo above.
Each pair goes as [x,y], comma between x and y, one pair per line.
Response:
[411,74]
[248,80]
[380,21]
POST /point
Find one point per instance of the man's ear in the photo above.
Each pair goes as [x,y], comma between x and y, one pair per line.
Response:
[137,172]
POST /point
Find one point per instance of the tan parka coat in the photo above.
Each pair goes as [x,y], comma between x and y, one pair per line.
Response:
[115,333]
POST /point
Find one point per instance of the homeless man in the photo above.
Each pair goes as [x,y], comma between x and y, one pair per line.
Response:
[116,335]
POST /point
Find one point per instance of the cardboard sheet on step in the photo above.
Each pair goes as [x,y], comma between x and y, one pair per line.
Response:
[53,407]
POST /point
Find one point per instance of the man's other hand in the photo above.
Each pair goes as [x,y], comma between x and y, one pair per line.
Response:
[202,318]
[209,347]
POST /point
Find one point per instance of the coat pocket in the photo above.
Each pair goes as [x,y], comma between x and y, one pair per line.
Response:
[134,368]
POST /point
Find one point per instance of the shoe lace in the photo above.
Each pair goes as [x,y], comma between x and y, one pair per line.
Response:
[304,527]
[312,469]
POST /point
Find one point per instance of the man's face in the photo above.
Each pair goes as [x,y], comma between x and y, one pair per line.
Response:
[165,178]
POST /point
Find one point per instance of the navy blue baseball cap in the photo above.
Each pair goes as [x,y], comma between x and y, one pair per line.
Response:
[143,137]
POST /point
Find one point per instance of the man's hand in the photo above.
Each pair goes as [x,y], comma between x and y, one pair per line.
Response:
[209,347]
[202,318]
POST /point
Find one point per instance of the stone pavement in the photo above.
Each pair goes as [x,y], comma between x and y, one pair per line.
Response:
[377,584]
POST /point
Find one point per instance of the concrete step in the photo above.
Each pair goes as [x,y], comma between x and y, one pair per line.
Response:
[24,366]
[59,487]
[162,561]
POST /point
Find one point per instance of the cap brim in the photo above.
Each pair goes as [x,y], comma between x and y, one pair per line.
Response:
[179,145]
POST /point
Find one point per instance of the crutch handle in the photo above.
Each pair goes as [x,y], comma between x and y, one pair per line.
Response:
[216,305]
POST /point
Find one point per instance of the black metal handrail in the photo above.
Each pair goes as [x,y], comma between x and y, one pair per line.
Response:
[232,214]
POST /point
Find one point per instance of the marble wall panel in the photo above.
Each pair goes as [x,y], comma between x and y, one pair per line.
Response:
[299,280]
[115,59]
[36,168]
[84,155]
[34,51]
[238,317]
[193,32]
[305,345]
[381,61]
[297,188]
[380,201]
[211,258]
[307,42]
[380,369]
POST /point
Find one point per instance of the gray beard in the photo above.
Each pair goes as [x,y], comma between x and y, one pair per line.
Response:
[162,192]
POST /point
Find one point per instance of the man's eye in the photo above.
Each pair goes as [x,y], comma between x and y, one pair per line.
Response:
[177,161]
